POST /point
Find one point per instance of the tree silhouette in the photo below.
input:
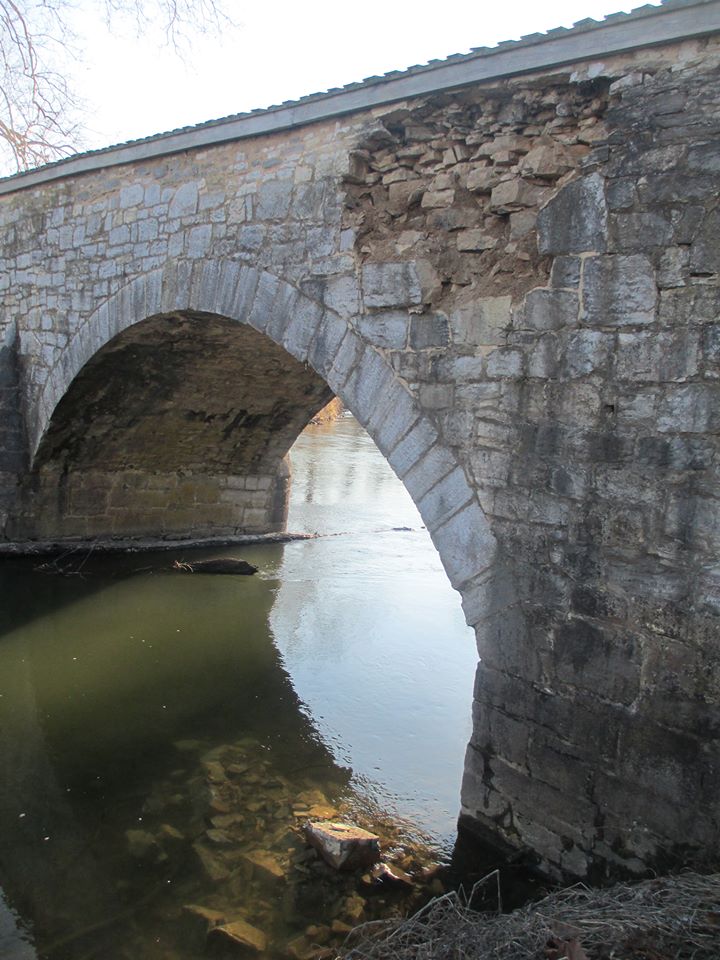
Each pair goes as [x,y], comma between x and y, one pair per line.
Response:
[40,113]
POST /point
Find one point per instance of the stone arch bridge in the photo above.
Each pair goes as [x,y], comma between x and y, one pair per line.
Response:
[506,264]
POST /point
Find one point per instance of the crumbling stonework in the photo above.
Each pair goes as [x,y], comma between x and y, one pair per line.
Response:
[514,287]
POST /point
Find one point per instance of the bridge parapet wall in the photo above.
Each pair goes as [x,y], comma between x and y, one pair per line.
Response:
[515,288]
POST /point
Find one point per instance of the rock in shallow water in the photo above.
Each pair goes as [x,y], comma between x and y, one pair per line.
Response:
[344,846]
[239,938]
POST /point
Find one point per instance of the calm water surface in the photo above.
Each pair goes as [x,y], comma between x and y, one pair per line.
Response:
[157,726]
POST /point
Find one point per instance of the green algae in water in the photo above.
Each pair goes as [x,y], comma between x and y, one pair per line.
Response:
[104,672]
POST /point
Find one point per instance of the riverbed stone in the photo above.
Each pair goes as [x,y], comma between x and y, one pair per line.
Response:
[343,845]
[239,938]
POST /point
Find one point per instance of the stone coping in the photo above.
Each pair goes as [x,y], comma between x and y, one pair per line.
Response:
[673,20]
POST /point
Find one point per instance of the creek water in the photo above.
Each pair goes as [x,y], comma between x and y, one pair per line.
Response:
[163,734]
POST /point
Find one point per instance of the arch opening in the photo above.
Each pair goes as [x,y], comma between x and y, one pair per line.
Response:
[178,426]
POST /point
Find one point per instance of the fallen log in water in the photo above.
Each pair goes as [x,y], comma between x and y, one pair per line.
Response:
[217,565]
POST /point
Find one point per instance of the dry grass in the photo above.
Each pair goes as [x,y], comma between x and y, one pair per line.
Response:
[674,918]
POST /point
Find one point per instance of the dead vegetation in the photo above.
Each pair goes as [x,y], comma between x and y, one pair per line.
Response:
[673,918]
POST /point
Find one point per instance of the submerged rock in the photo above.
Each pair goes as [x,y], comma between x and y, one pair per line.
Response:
[212,866]
[383,873]
[201,920]
[142,845]
[343,845]
[239,937]
[264,865]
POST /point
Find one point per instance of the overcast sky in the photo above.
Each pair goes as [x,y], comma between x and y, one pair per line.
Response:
[281,50]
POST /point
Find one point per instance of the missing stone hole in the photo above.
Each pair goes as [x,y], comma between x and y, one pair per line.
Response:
[610,408]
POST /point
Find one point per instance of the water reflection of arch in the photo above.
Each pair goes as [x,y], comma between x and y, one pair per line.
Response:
[110,672]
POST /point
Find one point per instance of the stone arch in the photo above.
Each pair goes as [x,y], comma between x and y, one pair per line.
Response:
[356,371]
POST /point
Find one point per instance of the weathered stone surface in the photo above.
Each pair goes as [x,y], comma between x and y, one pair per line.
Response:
[619,291]
[390,285]
[475,240]
[387,329]
[514,195]
[549,310]
[485,321]
[342,845]
[575,221]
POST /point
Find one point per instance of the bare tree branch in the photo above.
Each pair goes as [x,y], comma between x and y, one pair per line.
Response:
[39,112]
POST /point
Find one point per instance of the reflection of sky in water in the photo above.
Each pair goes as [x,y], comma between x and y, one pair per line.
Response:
[13,946]
[370,630]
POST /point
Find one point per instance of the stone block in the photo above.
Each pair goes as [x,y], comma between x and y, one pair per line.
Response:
[434,199]
[548,310]
[586,352]
[392,418]
[429,470]
[705,251]
[511,195]
[521,223]
[349,353]
[621,193]
[341,294]
[547,161]
[619,291]
[704,157]
[482,322]
[575,220]
[475,241]
[261,311]
[184,202]
[542,358]
[409,450]
[371,380]
[674,267]
[301,327]
[444,499]
[273,199]
[388,329]
[309,201]
[390,285]
[131,195]
[692,408]
[504,364]
[482,179]
[630,232]
[466,544]
[428,331]
[198,243]
[436,396]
